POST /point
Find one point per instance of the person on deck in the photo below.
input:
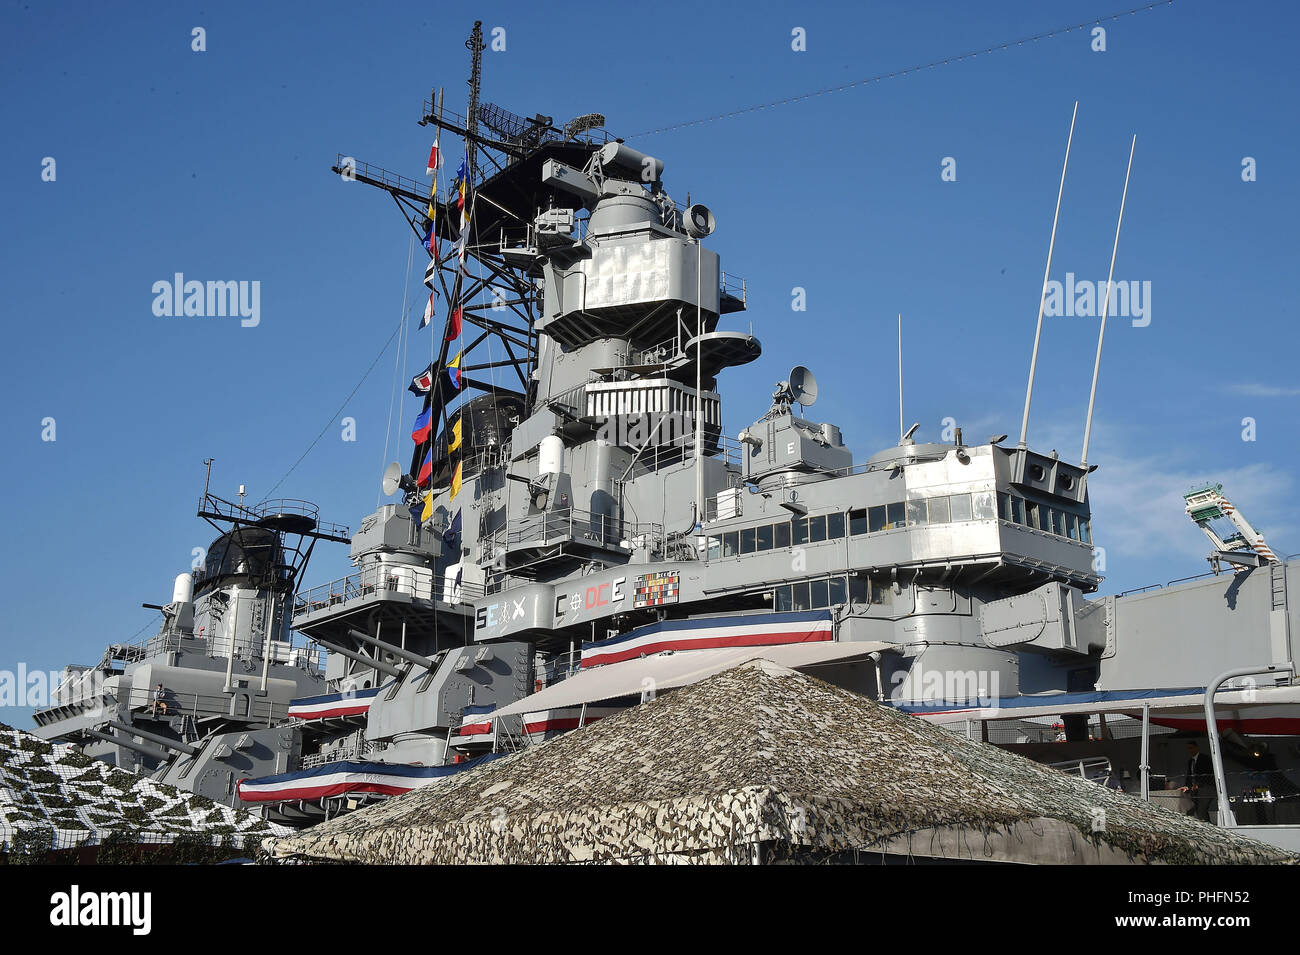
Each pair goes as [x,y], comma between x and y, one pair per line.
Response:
[1199,782]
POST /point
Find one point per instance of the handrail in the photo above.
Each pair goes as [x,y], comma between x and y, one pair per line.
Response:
[385,578]
[1226,818]
[1180,580]
[1141,590]
[731,284]
[1183,580]
[282,651]
[573,524]
[198,704]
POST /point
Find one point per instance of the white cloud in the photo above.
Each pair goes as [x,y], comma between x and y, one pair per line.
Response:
[1137,501]
[1254,390]
[1139,508]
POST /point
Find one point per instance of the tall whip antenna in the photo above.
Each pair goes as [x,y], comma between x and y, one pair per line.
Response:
[1042,297]
[1105,309]
[900,377]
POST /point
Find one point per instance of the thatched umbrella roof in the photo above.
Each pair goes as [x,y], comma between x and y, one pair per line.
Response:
[53,798]
[764,759]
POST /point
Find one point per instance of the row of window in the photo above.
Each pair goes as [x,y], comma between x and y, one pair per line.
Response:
[819,594]
[976,506]
[1053,520]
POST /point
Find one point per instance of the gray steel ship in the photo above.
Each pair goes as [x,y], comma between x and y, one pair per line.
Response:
[575,533]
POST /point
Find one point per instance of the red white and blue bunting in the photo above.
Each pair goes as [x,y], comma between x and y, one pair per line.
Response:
[749,630]
[351,703]
[337,779]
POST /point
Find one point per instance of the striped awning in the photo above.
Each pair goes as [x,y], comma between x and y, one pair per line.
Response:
[1265,710]
[671,669]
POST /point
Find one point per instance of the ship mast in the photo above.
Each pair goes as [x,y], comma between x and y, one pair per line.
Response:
[475,46]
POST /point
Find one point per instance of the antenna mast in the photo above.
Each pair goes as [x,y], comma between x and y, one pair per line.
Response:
[475,46]
[900,377]
[1042,297]
[1105,309]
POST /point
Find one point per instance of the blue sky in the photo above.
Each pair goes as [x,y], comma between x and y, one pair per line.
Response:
[216,164]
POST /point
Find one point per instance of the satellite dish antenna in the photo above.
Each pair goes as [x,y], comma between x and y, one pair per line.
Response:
[803,386]
[700,221]
[395,480]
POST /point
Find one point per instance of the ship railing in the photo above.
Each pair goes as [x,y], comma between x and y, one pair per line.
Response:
[242,705]
[1172,583]
[286,505]
[561,666]
[1258,797]
[358,749]
[211,504]
[379,174]
[655,457]
[654,355]
[1095,768]
[565,524]
[294,652]
[733,286]
[138,649]
[508,734]
[383,579]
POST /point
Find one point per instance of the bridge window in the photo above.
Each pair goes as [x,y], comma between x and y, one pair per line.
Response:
[730,544]
[764,541]
[1058,522]
[839,591]
[817,529]
[781,534]
[835,525]
[916,512]
[876,519]
[1085,530]
[895,515]
[1072,526]
[959,505]
[715,546]
[1031,514]
[858,521]
[747,539]
[783,600]
[799,531]
[1018,509]
[939,511]
[1004,506]
[860,590]
[820,594]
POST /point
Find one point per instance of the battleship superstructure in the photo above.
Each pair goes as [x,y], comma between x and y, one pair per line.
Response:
[202,703]
[575,531]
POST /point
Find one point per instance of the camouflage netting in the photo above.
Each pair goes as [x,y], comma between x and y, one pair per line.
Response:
[53,798]
[762,755]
